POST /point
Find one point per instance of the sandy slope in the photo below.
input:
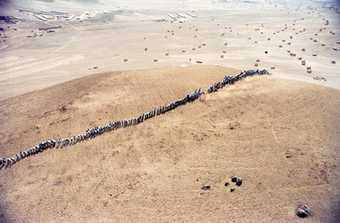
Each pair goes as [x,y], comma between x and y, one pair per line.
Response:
[280,136]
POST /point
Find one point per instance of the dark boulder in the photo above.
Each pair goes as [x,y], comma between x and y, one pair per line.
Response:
[303,211]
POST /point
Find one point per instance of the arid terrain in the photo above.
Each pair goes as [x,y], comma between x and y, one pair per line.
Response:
[67,66]
[298,41]
[280,136]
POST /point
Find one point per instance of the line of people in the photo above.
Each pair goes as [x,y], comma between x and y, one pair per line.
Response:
[113,125]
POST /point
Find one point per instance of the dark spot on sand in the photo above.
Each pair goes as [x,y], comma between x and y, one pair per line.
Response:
[237,180]
[303,211]
[206,187]
[63,108]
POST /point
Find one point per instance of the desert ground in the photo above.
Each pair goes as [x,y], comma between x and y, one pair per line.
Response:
[280,136]
[64,72]
[93,42]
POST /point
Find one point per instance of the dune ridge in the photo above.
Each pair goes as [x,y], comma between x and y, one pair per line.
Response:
[279,136]
[113,125]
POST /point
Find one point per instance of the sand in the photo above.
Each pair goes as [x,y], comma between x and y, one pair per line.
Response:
[236,36]
[279,136]
[279,133]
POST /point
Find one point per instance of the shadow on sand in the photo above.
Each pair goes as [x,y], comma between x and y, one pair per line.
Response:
[3,215]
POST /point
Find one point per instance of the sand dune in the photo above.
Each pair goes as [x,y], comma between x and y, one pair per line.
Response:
[67,67]
[279,136]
